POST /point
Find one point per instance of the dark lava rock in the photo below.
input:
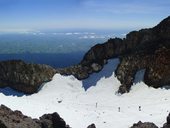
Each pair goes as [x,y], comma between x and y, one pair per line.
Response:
[144,125]
[156,65]
[52,121]
[24,77]
[91,126]
[78,71]
[167,124]
[2,125]
[151,125]
[15,119]
[147,49]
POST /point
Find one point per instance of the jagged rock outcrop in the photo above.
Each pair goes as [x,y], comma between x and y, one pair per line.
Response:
[94,59]
[144,125]
[92,126]
[156,65]
[147,49]
[151,125]
[15,119]
[24,77]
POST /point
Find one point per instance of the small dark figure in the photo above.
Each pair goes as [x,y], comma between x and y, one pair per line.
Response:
[118,109]
[96,105]
[139,108]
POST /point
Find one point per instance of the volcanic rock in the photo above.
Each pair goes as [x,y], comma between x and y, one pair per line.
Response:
[15,119]
[147,49]
[91,126]
[167,124]
[24,77]
[144,125]
[151,125]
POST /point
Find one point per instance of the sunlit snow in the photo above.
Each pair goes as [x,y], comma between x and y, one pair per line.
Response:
[99,104]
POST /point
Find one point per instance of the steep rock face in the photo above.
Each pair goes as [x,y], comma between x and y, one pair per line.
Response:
[156,65]
[147,49]
[95,59]
[151,52]
[15,119]
[24,77]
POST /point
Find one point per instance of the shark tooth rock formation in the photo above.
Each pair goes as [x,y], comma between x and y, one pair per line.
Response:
[15,119]
[24,77]
[147,49]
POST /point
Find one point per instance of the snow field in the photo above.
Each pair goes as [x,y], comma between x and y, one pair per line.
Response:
[99,104]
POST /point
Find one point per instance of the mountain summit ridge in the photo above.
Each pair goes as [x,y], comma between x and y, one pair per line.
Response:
[147,49]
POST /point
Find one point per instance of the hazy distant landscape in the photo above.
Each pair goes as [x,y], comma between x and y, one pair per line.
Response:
[50,47]
[84,64]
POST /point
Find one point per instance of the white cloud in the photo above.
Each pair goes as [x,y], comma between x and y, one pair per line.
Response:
[24,31]
[69,33]
[92,37]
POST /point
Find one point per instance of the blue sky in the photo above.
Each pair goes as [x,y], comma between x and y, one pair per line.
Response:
[94,14]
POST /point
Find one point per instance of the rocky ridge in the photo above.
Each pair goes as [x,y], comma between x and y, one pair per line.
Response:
[24,77]
[15,119]
[151,125]
[147,49]
[144,125]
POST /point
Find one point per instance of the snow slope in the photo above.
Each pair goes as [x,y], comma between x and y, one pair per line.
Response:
[99,104]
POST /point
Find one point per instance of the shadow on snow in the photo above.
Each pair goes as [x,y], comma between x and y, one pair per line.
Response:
[106,72]
[11,92]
